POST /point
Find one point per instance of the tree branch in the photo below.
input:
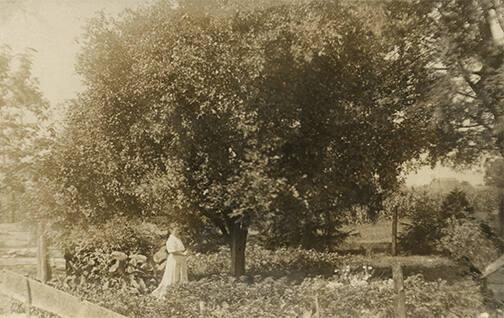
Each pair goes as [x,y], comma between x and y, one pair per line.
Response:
[479,93]
[469,126]
[467,95]
[218,222]
[465,75]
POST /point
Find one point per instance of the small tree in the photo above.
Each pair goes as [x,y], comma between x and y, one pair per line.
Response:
[23,137]
[456,204]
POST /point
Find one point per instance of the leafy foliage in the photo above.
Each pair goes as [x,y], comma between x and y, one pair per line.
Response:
[464,40]
[25,136]
[494,171]
[292,112]
[224,296]
[115,254]
[428,219]
[281,261]
[465,241]
[456,204]
[448,228]
[427,222]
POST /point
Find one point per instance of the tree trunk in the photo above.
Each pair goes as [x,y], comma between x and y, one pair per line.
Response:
[43,269]
[238,242]
[394,232]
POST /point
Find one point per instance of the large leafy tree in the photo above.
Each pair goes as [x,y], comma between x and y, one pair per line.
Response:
[285,114]
[465,40]
[24,134]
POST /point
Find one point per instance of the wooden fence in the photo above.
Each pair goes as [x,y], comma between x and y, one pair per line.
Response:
[44,297]
[19,249]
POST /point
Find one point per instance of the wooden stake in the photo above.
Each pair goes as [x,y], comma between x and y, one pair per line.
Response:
[317,308]
[394,232]
[43,270]
[28,299]
[400,301]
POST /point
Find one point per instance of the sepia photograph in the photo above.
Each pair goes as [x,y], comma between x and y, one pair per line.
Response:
[251,158]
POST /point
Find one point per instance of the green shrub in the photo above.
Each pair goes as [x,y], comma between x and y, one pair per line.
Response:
[346,295]
[456,204]
[429,218]
[464,240]
[261,260]
[449,229]
[421,235]
[440,299]
[118,252]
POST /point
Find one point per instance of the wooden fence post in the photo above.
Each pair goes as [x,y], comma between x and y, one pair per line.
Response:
[400,300]
[317,308]
[12,207]
[43,270]
[394,232]
[28,300]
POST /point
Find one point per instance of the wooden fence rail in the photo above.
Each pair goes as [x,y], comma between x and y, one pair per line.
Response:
[44,297]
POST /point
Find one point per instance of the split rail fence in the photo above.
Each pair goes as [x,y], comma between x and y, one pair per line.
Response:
[41,296]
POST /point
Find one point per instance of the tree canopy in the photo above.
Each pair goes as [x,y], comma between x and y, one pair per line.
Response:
[23,135]
[464,39]
[286,114]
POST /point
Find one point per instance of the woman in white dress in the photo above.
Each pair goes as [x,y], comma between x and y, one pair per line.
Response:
[176,266]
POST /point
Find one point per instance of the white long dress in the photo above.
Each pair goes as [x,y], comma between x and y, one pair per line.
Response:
[175,268]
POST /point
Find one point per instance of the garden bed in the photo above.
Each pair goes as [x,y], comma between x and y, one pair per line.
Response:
[338,296]
[288,283]
[296,264]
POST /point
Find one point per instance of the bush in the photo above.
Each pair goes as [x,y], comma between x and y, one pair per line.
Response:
[464,240]
[456,204]
[449,229]
[115,253]
[439,299]
[429,218]
[427,221]
[261,260]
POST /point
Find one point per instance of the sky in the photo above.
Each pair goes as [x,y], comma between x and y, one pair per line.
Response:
[425,174]
[53,27]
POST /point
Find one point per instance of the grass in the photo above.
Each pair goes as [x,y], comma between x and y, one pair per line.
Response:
[380,231]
